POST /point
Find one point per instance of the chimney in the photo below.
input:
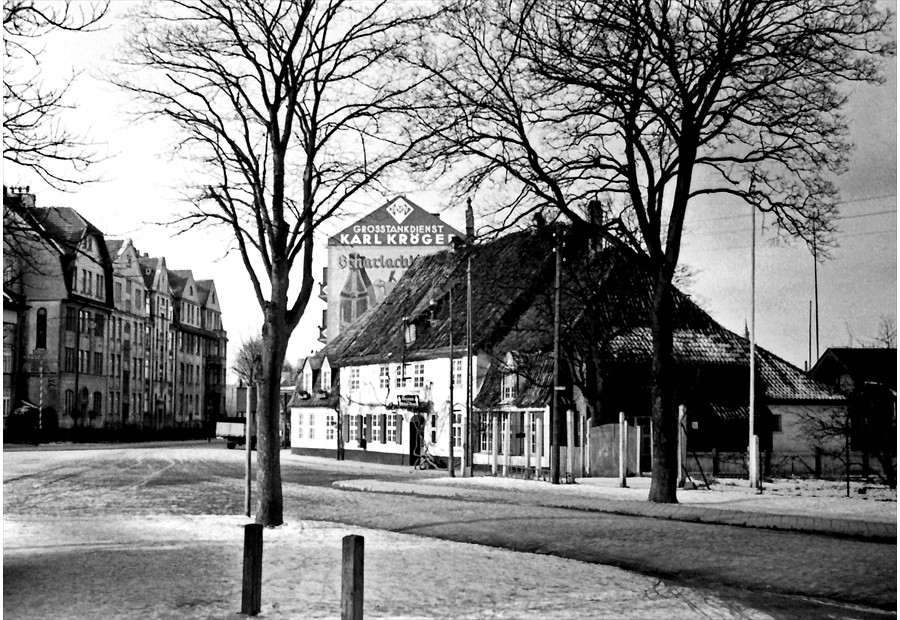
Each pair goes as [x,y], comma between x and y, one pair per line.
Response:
[470,222]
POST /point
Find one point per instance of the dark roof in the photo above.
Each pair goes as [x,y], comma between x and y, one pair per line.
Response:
[873,365]
[63,226]
[148,269]
[178,280]
[317,399]
[114,245]
[512,311]
[204,287]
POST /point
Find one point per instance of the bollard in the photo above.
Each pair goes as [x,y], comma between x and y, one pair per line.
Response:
[352,578]
[251,596]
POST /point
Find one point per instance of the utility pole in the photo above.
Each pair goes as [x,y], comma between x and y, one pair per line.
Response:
[249,439]
[816,285]
[468,452]
[754,440]
[554,403]
[452,415]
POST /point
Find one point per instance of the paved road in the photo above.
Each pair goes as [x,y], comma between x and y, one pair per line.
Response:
[786,574]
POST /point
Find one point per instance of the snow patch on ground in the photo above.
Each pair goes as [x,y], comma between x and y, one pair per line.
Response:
[783,497]
[190,567]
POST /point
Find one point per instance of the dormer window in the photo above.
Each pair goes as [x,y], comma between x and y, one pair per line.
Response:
[326,379]
[509,387]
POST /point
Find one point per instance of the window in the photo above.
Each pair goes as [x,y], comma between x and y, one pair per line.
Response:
[433,428]
[509,387]
[312,426]
[384,376]
[82,361]
[98,363]
[487,432]
[401,382]
[6,402]
[75,280]
[70,401]
[418,375]
[118,292]
[300,428]
[776,423]
[98,401]
[354,429]
[128,286]
[99,285]
[390,433]
[457,430]
[85,281]
[71,319]
[330,426]
[98,325]
[354,378]
[69,362]
[41,329]
[376,428]
[457,372]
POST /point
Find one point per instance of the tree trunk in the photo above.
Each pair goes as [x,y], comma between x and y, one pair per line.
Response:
[270,506]
[665,421]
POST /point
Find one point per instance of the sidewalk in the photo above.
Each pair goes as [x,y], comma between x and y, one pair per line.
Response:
[779,507]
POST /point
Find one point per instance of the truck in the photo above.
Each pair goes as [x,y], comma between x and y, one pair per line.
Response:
[234,432]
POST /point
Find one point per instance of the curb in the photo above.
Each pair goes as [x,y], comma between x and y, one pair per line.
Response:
[871,531]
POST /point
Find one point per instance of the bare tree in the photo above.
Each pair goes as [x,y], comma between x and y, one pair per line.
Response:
[287,108]
[650,104]
[34,136]
[248,360]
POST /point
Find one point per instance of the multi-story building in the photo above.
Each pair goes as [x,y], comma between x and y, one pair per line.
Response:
[93,334]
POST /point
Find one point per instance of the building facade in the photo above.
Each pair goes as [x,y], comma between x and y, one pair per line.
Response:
[99,334]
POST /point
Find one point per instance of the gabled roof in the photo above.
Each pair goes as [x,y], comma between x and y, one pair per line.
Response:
[331,400]
[113,246]
[203,289]
[148,270]
[178,279]
[512,310]
[874,365]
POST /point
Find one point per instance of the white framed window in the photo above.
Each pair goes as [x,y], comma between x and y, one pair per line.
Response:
[325,379]
[487,431]
[509,387]
[457,372]
[312,425]
[376,428]
[400,381]
[390,433]
[300,428]
[354,378]
[330,427]
[307,381]
[384,376]
[354,429]
[418,375]
[457,430]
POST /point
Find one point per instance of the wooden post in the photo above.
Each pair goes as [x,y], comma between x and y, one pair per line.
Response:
[539,447]
[652,441]
[507,443]
[352,578]
[623,431]
[251,596]
[570,445]
[529,416]
[495,441]
[682,447]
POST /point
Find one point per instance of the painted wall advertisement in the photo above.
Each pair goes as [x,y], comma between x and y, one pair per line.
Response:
[366,260]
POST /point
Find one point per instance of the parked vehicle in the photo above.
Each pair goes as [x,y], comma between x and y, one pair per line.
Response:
[234,432]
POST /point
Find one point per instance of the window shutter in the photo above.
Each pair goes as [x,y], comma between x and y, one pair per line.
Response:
[399,438]
[368,428]
[346,430]
[382,424]
[359,428]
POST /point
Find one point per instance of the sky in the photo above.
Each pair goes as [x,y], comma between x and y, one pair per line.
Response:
[857,287]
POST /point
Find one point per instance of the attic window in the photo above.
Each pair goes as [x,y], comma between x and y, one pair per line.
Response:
[190,290]
[509,387]
[409,332]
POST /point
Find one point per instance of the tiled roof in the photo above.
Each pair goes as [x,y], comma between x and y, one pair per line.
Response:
[331,400]
[512,310]
[203,289]
[784,381]
[148,270]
